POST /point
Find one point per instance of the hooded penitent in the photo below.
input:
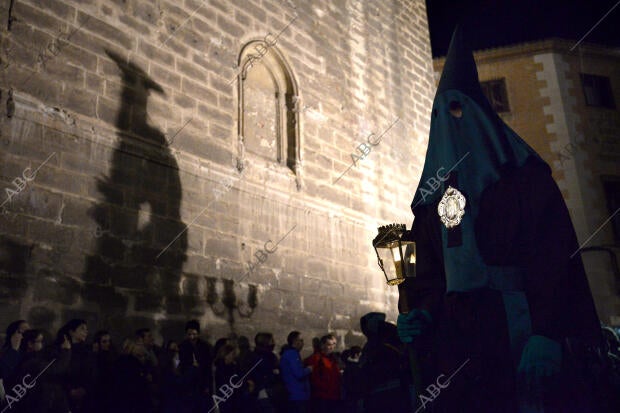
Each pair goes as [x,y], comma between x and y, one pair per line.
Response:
[468,148]
[495,272]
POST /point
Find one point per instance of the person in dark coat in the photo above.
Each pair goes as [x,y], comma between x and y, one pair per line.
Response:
[105,358]
[80,378]
[40,369]
[227,374]
[383,367]
[353,380]
[10,355]
[45,371]
[30,365]
[500,300]
[172,386]
[152,355]
[130,391]
[196,369]
[265,374]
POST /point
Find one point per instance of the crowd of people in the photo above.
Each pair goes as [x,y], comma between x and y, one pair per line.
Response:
[79,375]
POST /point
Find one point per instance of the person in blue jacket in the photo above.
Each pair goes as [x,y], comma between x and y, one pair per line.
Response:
[296,377]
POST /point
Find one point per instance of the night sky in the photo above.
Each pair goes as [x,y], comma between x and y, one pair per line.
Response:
[503,22]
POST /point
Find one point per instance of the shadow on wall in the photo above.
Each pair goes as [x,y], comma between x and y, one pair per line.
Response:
[14,258]
[226,304]
[139,215]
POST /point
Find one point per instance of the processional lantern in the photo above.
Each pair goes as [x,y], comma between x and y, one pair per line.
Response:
[396,253]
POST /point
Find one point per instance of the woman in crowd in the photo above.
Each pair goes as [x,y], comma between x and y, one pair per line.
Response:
[10,354]
[131,383]
[105,356]
[171,377]
[80,378]
[227,372]
[33,362]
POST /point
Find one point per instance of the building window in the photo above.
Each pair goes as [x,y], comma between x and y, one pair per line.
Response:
[597,91]
[495,92]
[268,101]
[611,186]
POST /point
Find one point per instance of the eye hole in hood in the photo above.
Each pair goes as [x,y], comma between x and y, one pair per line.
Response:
[455,108]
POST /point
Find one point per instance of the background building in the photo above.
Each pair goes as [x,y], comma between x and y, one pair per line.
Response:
[563,100]
[151,152]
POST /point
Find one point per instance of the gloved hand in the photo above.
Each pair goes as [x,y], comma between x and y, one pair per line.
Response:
[412,324]
[541,357]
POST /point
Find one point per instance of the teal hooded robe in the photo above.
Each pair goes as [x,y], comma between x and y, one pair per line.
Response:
[507,271]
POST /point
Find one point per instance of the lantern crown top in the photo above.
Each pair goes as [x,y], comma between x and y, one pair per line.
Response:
[389,233]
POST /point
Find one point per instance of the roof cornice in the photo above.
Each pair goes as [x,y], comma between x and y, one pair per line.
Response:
[551,45]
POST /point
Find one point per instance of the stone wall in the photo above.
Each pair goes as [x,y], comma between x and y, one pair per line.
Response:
[153,153]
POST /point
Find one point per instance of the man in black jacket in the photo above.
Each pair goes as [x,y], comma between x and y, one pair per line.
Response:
[195,365]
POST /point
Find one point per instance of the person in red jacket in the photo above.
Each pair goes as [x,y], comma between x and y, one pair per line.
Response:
[325,380]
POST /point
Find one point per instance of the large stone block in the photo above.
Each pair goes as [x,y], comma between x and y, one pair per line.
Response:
[134,277]
[291,302]
[12,287]
[76,211]
[331,289]
[222,246]
[198,264]
[148,302]
[76,99]
[318,305]
[14,255]
[52,286]
[345,306]
[289,282]
[310,321]
[33,16]
[11,311]
[41,317]
[37,202]
[271,299]
[94,25]
[311,285]
[184,305]
[106,298]
[97,270]
[172,329]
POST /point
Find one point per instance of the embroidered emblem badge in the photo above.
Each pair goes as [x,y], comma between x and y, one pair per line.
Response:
[451,208]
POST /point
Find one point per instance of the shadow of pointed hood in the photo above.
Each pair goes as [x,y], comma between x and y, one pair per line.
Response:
[132,73]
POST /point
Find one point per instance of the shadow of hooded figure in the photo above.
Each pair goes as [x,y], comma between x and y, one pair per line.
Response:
[140,213]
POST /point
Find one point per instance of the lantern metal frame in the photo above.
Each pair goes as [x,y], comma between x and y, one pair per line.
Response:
[388,235]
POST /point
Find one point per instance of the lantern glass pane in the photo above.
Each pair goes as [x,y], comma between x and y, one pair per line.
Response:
[389,253]
[410,257]
[395,253]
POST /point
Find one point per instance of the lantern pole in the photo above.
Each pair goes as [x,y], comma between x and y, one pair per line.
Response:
[387,237]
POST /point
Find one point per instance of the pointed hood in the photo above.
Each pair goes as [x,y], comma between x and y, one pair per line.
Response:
[469,148]
[459,71]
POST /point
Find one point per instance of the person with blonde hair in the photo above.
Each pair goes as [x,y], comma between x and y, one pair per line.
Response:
[131,383]
[227,372]
[133,347]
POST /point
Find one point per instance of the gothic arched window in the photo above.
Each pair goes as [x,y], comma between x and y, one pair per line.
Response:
[268,107]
